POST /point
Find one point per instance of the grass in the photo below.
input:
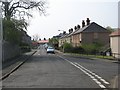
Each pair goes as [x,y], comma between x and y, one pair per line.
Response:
[93,56]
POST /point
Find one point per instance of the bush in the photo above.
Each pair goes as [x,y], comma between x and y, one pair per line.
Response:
[92,48]
[67,47]
[25,47]
[79,50]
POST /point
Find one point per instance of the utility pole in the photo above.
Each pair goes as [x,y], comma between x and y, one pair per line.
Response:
[1,34]
[1,48]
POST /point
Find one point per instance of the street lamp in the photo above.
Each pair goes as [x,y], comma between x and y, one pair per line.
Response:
[64,32]
[61,30]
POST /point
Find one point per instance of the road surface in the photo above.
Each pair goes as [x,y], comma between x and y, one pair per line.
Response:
[44,70]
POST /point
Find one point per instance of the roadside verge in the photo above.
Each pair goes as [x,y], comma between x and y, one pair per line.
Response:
[91,57]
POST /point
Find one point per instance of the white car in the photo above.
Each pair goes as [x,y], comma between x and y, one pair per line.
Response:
[50,50]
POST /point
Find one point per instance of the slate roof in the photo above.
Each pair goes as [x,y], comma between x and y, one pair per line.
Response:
[93,27]
[64,35]
[72,33]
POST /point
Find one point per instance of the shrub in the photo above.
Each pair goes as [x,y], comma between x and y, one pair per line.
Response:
[25,47]
[79,50]
[92,48]
[67,47]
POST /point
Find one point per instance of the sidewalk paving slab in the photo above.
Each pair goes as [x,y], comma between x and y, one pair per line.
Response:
[9,67]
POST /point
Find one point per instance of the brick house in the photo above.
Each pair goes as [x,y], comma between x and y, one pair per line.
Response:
[63,39]
[67,38]
[90,33]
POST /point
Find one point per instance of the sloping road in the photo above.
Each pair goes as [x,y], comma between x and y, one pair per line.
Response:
[61,71]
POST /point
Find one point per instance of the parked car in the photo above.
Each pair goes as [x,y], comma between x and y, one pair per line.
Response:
[50,50]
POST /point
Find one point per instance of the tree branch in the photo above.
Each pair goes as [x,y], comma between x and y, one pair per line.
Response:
[22,5]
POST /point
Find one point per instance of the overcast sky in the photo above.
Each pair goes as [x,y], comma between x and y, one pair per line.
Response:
[65,14]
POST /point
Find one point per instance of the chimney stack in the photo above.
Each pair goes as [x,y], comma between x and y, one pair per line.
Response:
[88,21]
[75,27]
[70,30]
[83,23]
[78,26]
[64,32]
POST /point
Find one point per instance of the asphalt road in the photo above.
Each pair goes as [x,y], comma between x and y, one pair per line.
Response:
[62,71]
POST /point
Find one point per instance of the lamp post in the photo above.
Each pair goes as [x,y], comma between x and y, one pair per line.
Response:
[64,32]
[1,34]
[1,48]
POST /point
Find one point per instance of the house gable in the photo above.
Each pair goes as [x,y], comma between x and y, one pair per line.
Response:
[94,27]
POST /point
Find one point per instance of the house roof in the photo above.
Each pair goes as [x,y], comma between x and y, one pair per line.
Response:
[93,27]
[58,36]
[73,33]
[43,41]
[116,33]
[64,35]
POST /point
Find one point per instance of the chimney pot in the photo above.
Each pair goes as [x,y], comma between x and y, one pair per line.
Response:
[83,23]
[88,21]
[75,27]
[64,32]
[78,26]
[70,30]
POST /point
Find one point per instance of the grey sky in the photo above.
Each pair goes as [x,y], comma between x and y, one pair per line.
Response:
[65,14]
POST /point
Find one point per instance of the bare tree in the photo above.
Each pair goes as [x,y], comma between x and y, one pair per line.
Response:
[22,8]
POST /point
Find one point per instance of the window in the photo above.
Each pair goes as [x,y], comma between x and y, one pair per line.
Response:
[95,35]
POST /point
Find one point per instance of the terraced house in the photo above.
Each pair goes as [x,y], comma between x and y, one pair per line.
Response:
[115,42]
[87,34]
[63,39]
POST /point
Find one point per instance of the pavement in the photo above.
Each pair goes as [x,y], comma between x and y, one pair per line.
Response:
[116,82]
[10,66]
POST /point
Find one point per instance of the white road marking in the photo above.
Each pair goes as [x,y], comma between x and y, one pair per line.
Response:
[89,73]
[93,78]
[104,81]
